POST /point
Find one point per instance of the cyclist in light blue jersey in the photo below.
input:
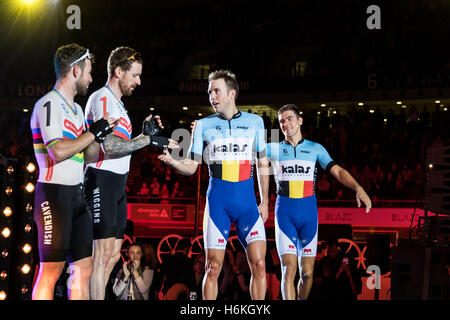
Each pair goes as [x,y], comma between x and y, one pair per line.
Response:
[296,218]
[233,140]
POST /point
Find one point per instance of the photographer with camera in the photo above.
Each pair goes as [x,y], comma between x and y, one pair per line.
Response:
[339,276]
[133,281]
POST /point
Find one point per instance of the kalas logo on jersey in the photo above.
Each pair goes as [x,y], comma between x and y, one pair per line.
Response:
[295,169]
[231,147]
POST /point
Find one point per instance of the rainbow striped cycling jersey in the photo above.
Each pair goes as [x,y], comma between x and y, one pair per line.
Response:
[100,102]
[54,119]
[231,145]
[295,167]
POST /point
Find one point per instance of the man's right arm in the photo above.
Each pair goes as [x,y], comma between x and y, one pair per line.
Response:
[51,130]
[186,167]
[64,149]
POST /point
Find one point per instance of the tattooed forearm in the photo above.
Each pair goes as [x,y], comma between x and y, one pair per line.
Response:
[117,147]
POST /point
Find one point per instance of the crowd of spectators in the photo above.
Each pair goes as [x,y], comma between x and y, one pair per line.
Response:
[180,275]
[385,152]
[287,46]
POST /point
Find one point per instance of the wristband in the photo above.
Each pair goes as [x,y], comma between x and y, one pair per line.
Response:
[159,141]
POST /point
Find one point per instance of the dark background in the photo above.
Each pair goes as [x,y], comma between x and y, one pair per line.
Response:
[304,52]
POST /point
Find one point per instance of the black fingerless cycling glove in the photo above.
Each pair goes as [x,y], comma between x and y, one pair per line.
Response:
[100,129]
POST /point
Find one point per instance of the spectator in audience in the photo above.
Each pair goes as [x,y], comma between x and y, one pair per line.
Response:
[323,187]
[155,187]
[144,190]
[133,281]
[340,278]
[316,289]
[418,181]
[176,191]
[388,187]
[168,175]
[164,195]
[197,277]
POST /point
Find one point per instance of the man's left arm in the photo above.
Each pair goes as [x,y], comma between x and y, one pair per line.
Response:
[117,147]
[344,177]
[262,169]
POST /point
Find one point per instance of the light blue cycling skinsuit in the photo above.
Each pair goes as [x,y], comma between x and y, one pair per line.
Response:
[231,147]
[296,217]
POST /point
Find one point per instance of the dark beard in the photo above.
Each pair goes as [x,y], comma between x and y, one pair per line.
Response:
[124,90]
[81,89]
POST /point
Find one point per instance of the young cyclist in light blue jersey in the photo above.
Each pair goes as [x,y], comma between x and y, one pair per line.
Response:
[296,218]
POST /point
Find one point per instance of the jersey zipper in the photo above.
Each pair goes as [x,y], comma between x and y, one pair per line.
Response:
[295,151]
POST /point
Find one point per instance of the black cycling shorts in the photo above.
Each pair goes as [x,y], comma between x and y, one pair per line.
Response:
[107,201]
[64,224]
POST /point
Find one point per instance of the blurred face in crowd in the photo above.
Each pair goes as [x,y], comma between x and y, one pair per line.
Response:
[290,123]
[332,251]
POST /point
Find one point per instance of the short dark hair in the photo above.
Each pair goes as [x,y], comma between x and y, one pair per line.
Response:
[332,241]
[65,56]
[229,78]
[122,57]
[290,107]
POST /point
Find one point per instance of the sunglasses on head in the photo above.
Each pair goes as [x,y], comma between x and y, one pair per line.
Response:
[134,56]
[84,56]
